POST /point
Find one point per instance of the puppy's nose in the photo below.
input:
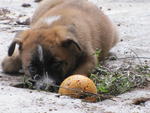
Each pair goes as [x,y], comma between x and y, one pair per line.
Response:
[47,87]
[42,87]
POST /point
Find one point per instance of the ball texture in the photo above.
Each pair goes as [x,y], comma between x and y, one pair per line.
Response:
[76,84]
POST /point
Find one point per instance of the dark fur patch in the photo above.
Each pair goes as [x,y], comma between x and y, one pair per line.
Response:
[49,65]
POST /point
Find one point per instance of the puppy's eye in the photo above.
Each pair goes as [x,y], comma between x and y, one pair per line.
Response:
[57,64]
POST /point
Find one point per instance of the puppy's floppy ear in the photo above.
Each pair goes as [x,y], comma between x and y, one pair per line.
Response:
[13,45]
[20,37]
[72,45]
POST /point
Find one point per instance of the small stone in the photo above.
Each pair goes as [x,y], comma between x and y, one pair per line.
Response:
[100,8]
[25,22]
[113,58]
[118,24]
[26,5]
[57,96]
[50,110]
[145,61]
[121,40]
[37,0]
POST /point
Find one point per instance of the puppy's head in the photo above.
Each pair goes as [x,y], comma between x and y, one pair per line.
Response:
[48,55]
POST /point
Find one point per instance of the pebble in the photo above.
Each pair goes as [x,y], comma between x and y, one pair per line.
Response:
[26,5]
[25,22]
[37,0]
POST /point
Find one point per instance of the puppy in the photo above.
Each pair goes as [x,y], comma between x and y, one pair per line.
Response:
[63,37]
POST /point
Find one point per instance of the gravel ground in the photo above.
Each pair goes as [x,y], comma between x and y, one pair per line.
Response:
[132,18]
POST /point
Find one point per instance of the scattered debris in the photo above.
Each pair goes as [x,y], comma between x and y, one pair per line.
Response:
[4,11]
[117,81]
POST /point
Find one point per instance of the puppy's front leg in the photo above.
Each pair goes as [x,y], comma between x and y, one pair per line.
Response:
[11,64]
[87,66]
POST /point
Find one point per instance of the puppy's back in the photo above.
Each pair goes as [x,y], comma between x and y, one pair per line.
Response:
[94,28]
[45,6]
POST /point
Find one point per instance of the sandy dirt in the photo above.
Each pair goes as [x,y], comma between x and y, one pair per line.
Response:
[132,18]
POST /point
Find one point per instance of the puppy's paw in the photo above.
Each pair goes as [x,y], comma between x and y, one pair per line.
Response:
[11,64]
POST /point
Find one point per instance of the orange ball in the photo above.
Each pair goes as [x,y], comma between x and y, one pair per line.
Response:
[76,84]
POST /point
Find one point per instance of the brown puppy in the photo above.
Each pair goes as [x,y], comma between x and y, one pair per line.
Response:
[64,35]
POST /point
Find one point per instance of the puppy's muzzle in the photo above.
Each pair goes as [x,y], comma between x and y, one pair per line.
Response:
[44,82]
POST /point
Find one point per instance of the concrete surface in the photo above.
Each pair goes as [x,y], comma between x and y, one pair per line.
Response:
[133,20]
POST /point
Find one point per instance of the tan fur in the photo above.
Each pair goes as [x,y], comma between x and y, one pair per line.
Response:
[11,64]
[80,21]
